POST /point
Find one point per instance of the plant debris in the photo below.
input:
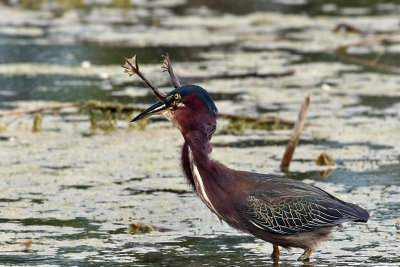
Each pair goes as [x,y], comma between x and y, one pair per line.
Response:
[342,51]
[27,244]
[349,28]
[37,122]
[104,115]
[140,228]
[237,125]
[325,160]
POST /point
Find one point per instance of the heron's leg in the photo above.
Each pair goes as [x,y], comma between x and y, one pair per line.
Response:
[275,252]
[307,253]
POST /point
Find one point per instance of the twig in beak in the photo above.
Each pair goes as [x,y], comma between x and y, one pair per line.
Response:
[131,67]
[166,66]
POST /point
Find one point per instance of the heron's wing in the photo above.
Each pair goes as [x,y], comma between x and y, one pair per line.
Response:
[293,214]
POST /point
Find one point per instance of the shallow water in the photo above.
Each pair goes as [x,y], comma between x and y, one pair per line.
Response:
[74,192]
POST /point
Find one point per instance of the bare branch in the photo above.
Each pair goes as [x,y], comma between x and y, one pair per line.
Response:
[266,119]
[253,74]
[131,67]
[348,27]
[166,66]
[38,110]
[342,51]
[294,138]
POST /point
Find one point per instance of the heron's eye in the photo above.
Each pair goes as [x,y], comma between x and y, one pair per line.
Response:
[177,96]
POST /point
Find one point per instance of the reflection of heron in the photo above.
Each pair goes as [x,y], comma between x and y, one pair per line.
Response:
[281,211]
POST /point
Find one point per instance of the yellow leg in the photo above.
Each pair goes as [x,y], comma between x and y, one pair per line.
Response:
[275,252]
[306,255]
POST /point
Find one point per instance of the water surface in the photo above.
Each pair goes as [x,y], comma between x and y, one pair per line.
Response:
[74,191]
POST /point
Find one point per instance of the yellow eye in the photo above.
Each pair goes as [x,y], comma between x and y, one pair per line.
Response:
[177,96]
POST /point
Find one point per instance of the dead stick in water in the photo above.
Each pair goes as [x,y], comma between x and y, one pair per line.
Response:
[252,74]
[267,119]
[342,52]
[348,27]
[38,110]
[294,138]
[130,108]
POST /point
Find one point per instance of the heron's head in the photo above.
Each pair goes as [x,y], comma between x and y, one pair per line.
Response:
[189,107]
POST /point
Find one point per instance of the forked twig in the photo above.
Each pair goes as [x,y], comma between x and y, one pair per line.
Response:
[166,66]
[131,67]
[294,138]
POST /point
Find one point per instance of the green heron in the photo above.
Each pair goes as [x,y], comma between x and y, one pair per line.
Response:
[279,210]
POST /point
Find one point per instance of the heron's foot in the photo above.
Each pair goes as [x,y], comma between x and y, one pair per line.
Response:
[275,253]
[306,255]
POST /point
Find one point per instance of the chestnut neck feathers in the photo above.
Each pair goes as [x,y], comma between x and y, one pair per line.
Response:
[196,119]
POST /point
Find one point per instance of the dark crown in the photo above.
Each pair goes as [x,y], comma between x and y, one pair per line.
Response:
[200,92]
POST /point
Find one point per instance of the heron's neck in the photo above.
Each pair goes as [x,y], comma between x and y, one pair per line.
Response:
[199,145]
[195,150]
[212,180]
[197,165]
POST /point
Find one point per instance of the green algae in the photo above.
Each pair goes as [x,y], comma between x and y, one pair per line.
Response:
[37,122]
[139,228]
[105,115]
[238,125]
[31,4]
[75,196]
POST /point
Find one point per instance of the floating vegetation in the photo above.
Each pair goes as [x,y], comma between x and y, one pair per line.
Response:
[3,127]
[237,125]
[325,160]
[121,3]
[224,48]
[37,122]
[373,58]
[27,244]
[31,4]
[104,115]
[140,228]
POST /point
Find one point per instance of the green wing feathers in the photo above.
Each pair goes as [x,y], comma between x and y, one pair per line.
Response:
[290,215]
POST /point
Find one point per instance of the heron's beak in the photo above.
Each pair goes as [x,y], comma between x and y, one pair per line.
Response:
[157,108]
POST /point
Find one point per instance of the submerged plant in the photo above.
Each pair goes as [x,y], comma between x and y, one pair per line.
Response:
[102,115]
[105,115]
[237,126]
[139,228]
[37,122]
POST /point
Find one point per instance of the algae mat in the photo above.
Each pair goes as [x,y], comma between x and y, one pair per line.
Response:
[69,194]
